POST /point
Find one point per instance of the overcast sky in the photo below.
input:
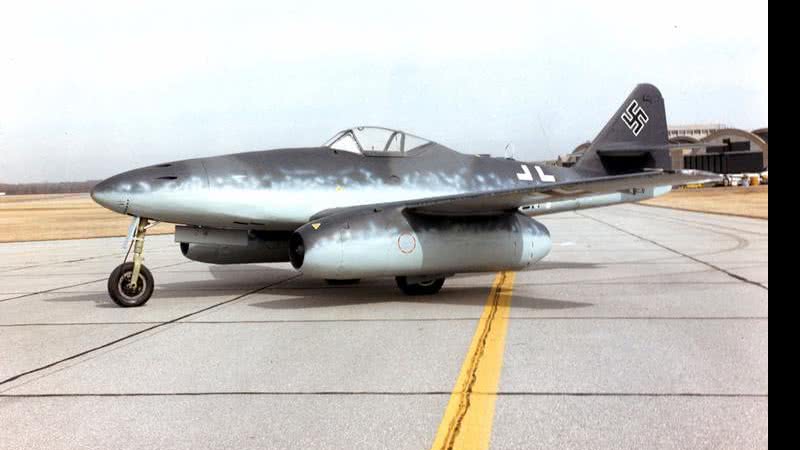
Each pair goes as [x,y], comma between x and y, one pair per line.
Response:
[89,89]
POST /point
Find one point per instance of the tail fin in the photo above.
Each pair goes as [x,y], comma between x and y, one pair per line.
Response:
[634,139]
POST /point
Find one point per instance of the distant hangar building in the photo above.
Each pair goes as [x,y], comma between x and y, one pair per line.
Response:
[726,150]
[720,149]
[694,132]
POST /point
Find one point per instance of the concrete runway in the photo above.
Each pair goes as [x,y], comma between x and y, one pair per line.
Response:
[644,327]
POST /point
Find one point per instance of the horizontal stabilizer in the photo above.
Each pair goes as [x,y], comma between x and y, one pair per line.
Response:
[627,148]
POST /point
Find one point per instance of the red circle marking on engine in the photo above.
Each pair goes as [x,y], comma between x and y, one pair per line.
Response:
[406,243]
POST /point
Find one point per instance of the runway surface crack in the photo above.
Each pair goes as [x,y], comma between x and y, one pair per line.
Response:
[145,330]
[677,252]
[83,283]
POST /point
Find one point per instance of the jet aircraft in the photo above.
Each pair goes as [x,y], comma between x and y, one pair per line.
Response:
[377,202]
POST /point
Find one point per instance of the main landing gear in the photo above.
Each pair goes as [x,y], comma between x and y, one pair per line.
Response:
[411,286]
[131,283]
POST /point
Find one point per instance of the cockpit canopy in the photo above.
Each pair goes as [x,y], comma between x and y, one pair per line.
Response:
[375,141]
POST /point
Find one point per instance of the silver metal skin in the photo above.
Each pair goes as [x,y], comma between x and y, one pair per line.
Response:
[390,242]
[594,201]
[258,249]
[282,189]
[220,246]
[403,206]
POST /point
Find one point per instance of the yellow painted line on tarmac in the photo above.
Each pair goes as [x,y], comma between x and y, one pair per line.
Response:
[467,421]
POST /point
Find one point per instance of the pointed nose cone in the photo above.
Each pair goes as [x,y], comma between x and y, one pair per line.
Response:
[105,195]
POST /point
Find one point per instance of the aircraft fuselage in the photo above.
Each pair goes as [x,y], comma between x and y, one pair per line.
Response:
[282,189]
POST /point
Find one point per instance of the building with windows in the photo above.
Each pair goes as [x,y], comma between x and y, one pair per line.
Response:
[695,131]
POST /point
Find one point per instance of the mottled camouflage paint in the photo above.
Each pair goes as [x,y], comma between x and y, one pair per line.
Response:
[282,189]
[391,242]
[319,190]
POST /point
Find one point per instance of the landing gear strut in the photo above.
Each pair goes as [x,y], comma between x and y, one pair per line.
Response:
[131,283]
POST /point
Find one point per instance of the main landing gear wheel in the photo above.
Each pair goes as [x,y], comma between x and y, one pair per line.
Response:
[126,294]
[424,288]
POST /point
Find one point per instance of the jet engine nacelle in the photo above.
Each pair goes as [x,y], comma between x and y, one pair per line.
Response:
[395,243]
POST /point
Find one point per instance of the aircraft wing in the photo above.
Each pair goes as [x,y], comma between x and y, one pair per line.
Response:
[505,200]
[498,201]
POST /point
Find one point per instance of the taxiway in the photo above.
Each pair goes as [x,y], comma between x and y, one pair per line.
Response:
[645,327]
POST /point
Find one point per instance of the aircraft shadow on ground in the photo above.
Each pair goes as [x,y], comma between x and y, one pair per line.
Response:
[302,293]
[353,296]
[554,265]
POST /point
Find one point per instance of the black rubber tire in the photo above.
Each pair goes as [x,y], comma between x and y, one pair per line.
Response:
[125,299]
[342,282]
[427,288]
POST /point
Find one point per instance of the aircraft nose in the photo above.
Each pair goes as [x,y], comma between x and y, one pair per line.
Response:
[169,192]
[105,195]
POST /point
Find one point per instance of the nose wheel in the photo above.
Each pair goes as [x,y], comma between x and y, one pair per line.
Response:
[131,283]
[124,292]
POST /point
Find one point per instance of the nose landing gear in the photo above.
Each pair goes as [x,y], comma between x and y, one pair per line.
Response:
[131,283]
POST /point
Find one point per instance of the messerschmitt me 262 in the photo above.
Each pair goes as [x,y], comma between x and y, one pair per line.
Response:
[376,202]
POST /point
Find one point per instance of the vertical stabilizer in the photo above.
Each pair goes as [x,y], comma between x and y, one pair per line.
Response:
[634,139]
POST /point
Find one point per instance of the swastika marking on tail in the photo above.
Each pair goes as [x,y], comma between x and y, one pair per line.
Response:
[635,117]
